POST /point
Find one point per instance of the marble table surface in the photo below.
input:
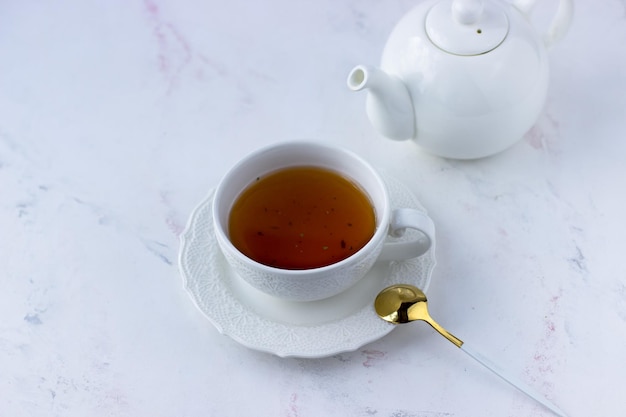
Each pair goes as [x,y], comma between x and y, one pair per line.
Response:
[117,118]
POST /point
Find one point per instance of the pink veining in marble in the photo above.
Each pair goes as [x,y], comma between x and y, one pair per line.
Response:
[535,137]
[544,135]
[293,410]
[544,358]
[172,218]
[372,356]
[174,51]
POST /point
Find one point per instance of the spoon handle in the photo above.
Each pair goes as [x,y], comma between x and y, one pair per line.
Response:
[526,389]
[452,338]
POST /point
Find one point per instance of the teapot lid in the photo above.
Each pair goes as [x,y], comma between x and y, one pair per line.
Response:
[467,27]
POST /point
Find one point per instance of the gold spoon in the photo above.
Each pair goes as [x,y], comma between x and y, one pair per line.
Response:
[404,303]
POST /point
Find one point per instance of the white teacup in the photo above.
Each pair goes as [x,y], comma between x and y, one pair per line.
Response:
[323,282]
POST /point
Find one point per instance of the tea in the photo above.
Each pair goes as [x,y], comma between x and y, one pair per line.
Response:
[301,218]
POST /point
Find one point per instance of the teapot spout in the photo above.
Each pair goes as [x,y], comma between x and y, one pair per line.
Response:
[389,106]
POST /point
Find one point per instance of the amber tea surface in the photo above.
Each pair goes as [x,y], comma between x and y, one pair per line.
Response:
[301,218]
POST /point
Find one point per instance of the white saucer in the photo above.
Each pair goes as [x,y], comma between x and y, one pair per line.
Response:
[312,329]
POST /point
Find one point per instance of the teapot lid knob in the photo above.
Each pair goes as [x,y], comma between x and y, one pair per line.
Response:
[467,27]
[467,12]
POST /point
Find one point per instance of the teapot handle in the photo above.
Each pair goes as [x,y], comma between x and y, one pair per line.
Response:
[560,22]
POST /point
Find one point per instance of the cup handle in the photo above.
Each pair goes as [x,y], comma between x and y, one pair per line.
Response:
[404,218]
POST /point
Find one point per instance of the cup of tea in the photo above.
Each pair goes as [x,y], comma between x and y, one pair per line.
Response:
[305,221]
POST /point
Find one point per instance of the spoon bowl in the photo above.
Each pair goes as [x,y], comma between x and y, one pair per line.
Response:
[405,303]
[393,303]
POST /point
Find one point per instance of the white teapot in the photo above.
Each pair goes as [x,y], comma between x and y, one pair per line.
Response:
[463,78]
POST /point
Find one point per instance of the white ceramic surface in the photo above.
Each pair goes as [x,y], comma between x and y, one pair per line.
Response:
[320,328]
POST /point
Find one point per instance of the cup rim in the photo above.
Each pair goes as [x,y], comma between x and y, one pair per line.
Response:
[382,217]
